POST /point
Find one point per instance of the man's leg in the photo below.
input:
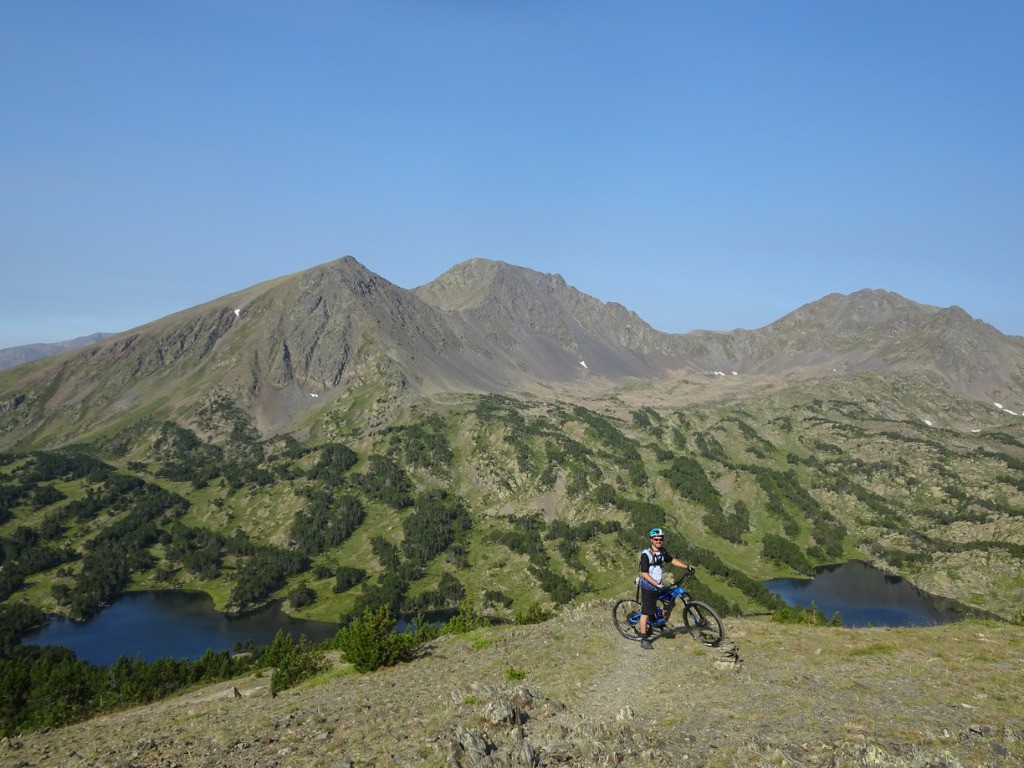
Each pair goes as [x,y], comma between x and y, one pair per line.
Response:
[648,600]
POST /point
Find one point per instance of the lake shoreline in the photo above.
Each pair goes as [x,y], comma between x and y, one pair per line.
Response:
[865,595]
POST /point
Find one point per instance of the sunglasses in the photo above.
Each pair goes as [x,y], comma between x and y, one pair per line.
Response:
[657,538]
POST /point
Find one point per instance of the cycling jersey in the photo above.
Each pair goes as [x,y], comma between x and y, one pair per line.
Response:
[652,563]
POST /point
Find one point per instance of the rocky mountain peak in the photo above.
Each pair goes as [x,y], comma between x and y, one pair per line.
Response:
[482,282]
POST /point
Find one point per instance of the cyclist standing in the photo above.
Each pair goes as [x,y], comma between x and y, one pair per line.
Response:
[652,561]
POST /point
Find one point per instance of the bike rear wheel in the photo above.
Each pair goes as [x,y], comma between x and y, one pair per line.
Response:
[625,615]
[703,623]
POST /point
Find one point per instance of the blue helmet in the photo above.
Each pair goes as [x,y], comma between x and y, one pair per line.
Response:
[656,532]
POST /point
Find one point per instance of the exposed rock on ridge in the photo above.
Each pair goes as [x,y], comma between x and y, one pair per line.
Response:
[548,328]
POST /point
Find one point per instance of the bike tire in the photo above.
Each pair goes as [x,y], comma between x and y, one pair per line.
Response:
[703,623]
[625,613]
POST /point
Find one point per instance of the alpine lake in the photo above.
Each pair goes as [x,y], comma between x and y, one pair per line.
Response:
[864,596]
[180,625]
[158,624]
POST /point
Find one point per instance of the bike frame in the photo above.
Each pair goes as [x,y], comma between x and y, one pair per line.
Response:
[668,602]
[667,598]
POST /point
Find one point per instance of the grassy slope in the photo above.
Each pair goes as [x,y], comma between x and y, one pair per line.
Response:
[833,430]
[802,696]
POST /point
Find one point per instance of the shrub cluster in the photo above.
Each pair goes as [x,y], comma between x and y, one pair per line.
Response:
[293,661]
[813,616]
[371,642]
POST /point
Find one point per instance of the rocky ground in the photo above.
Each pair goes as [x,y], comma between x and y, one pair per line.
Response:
[573,692]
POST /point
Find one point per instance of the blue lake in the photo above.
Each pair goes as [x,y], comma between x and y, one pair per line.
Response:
[865,596]
[178,625]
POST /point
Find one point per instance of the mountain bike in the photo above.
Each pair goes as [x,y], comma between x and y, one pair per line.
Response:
[699,619]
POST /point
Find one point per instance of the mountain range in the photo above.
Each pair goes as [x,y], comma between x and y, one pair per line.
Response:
[284,349]
[26,353]
[296,439]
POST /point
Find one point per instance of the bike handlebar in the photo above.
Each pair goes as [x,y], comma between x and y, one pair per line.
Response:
[666,591]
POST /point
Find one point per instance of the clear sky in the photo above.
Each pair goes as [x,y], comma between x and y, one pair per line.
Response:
[709,165]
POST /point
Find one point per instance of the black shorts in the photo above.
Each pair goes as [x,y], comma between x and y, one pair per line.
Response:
[648,601]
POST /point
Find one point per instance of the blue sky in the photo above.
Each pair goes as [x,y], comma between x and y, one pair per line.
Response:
[707,165]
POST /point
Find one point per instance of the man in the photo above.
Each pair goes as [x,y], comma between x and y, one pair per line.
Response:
[652,561]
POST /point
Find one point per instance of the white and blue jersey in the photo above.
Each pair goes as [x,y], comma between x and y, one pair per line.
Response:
[652,563]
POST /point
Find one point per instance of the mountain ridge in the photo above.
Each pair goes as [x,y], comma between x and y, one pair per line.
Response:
[288,345]
[26,353]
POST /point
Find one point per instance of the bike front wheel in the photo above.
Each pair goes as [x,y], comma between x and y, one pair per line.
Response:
[703,623]
[625,615]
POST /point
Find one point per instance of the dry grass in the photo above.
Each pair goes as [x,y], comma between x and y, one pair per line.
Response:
[802,696]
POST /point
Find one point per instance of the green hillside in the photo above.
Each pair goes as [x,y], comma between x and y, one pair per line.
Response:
[421,504]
